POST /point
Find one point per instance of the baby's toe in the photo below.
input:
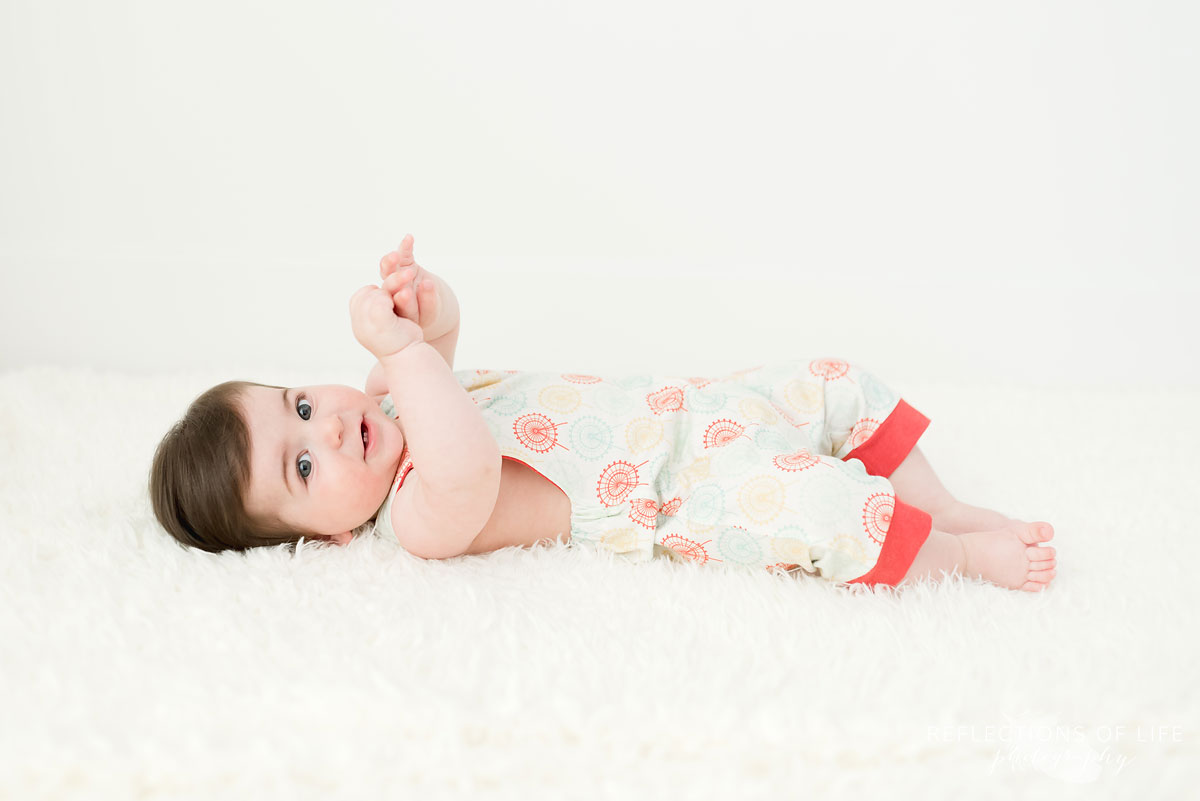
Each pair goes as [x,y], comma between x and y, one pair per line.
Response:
[1034,533]
[1040,574]
[1042,553]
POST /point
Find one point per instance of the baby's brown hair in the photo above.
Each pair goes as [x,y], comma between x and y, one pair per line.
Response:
[201,473]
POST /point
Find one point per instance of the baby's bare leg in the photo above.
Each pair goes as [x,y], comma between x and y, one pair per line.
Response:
[1012,557]
[916,484]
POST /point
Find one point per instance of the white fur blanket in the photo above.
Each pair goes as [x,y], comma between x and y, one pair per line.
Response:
[133,668]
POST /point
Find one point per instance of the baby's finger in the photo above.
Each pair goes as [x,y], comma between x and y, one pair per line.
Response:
[393,282]
[396,260]
[378,308]
[430,303]
[357,297]
[406,304]
[404,253]
[369,303]
[387,265]
[419,273]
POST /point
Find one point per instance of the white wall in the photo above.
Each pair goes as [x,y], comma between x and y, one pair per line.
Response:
[988,191]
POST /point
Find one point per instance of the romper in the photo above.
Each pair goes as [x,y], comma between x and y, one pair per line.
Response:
[779,467]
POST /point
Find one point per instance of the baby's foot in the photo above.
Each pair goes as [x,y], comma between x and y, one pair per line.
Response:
[959,518]
[1012,556]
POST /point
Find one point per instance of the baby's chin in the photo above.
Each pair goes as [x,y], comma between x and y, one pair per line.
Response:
[371,519]
[387,478]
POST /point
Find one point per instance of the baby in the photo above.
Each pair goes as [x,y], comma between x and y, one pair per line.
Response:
[805,465]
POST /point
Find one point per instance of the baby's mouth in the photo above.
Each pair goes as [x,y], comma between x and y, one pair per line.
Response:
[366,437]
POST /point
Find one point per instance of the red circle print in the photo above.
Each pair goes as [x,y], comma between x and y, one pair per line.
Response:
[722,432]
[644,512]
[877,515]
[829,369]
[616,482]
[668,399]
[862,431]
[688,549]
[537,432]
[793,462]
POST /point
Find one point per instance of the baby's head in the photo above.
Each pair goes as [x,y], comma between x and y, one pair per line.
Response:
[253,465]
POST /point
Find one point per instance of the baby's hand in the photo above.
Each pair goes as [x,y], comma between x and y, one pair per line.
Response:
[377,326]
[414,292]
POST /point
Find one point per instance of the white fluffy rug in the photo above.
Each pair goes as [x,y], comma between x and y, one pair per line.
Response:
[133,668]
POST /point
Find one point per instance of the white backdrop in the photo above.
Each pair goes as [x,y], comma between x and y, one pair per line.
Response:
[957,196]
[935,190]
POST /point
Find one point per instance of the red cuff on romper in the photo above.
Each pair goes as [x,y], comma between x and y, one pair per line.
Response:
[892,441]
[906,534]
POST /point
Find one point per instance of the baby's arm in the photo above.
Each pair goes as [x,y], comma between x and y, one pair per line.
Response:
[451,492]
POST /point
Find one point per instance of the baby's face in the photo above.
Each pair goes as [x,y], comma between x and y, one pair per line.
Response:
[307,462]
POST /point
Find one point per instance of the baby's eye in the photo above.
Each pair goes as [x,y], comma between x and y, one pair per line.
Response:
[304,402]
[304,466]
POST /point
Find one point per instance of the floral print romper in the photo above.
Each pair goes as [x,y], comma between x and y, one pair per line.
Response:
[780,467]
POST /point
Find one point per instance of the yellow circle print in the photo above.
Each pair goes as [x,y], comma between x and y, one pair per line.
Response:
[757,411]
[762,498]
[803,395]
[696,472]
[620,540]
[643,434]
[851,546]
[559,398]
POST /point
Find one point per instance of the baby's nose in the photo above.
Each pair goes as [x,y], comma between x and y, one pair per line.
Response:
[334,429]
